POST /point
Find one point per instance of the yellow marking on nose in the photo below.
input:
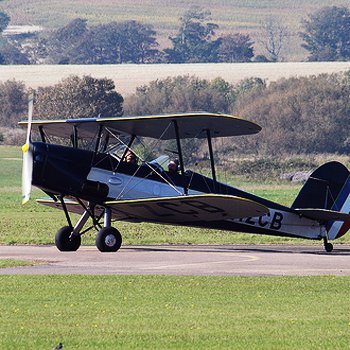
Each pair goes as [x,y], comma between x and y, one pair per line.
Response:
[25,148]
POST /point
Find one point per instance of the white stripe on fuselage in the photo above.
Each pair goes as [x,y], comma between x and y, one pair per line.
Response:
[122,186]
[285,222]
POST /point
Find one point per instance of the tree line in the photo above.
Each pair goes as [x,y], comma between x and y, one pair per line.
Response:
[299,115]
[325,36]
[304,115]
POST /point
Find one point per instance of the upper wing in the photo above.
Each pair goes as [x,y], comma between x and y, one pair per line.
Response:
[175,210]
[190,125]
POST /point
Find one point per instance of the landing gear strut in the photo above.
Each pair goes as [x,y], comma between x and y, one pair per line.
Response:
[327,246]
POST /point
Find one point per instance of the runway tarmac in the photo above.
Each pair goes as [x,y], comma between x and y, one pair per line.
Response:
[213,260]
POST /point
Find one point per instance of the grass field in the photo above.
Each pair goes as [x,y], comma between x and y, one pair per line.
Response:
[162,312]
[4,263]
[231,16]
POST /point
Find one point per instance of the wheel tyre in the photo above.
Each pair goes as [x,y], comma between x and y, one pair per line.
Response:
[108,239]
[328,247]
[64,242]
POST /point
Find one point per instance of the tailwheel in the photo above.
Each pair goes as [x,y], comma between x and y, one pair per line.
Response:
[108,239]
[66,241]
[328,247]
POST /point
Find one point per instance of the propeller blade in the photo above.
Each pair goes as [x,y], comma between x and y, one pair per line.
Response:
[27,150]
[27,175]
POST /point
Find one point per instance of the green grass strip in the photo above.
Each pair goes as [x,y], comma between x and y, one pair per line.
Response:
[15,263]
[169,312]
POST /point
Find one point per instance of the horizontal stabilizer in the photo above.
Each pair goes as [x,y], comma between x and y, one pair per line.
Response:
[186,209]
[324,215]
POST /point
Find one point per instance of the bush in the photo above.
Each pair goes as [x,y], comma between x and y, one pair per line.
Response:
[12,136]
[181,94]
[298,115]
[76,97]
[13,102]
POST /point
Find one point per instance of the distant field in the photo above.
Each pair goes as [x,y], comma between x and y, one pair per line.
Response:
[231,16]
[128,77]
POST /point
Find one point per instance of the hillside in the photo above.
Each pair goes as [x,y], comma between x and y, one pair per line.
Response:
[231,16]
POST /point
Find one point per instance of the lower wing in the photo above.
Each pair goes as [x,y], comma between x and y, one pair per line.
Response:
[175,210]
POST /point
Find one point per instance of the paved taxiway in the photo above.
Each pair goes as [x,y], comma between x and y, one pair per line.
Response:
[226,260]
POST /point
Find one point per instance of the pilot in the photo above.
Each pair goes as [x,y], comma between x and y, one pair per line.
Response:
[130,157]
[173,166]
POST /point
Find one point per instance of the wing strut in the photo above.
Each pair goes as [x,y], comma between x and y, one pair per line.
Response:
[64,207]
[182,169]
[42,133]
[128,147]
[211,156]
[74,136]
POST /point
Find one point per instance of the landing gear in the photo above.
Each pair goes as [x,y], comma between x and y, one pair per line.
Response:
[66,241]
[108,239]
[327,246]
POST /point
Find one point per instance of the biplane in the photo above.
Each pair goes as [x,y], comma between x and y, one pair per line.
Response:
[81,164]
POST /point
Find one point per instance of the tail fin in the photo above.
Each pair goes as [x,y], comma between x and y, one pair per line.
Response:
[328,187]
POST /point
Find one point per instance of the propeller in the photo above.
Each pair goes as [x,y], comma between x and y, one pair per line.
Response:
[27,150]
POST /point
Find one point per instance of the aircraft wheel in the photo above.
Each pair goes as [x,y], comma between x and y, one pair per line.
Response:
[65,242]
[328,247]
[108,239]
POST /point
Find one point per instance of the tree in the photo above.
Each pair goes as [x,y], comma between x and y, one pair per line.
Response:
[111,43]
[249,85]
[13,103]
[137,43]
[236,48]
[326,34]
[98,46]
[4,21]
[299,115]
[181,94]
[274,34]
[62,42]
[194,41]
[11,55]
[76,97]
